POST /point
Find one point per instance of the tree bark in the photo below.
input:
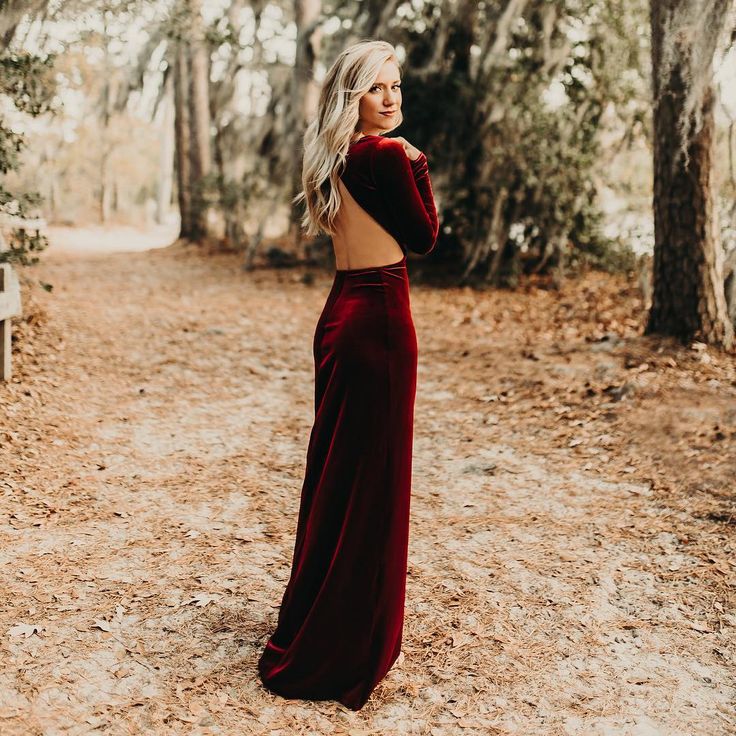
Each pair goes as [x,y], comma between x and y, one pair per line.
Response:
[688,300]
[166,159]
[104,200]
[305,95]
[183,139]
[199,100]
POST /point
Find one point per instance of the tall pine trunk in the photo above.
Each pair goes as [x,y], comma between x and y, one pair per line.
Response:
[166,154]
[304,96]
[688,300]
[199,116]
[182,130]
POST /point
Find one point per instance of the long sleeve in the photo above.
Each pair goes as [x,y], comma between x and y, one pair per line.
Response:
[406,191]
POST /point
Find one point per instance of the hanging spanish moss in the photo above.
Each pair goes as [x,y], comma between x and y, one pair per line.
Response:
[693,36]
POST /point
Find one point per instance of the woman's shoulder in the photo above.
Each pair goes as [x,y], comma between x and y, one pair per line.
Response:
[376,142]
[376,158]
[377,154]
[390,156]
[388,146]
[390,153]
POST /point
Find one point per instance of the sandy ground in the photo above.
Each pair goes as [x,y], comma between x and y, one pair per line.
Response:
[571,563]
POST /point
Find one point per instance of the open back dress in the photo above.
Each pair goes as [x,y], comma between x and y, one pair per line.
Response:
[340,621]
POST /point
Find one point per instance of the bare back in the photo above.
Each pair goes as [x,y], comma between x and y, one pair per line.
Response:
[359,240]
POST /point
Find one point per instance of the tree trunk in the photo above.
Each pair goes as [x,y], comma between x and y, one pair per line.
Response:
[199,101]
[166,159]
[103,201]
[106,114]
[688,300]
[182,131]
[304,97]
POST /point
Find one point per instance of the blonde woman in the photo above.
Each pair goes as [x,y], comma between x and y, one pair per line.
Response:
[340,622]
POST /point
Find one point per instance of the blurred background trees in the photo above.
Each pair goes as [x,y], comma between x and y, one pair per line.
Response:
[536,115]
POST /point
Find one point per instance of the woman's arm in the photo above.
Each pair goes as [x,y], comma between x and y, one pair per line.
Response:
[407,194]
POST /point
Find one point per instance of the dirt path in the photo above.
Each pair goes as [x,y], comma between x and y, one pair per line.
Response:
[571,566]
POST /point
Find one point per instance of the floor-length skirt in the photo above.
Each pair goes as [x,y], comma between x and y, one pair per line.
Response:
[340,622]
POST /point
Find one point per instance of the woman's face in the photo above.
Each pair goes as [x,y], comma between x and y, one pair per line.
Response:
[382,98]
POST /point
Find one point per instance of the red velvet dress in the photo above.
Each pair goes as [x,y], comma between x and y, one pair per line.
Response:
[340,622]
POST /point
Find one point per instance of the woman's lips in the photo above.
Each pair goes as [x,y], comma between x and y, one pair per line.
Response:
[392,112]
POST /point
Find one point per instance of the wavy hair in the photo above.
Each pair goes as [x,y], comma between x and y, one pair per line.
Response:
[328,136]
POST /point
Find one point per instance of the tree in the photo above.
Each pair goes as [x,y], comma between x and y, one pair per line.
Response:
[188,56]
[304,91]
[199,118]
[688,299]
[183,138]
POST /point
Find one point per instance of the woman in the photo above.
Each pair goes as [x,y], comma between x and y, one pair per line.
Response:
[340,622]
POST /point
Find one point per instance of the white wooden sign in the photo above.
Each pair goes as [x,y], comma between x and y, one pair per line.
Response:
[9,307]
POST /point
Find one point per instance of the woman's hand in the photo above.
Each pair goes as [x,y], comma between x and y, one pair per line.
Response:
[412,152]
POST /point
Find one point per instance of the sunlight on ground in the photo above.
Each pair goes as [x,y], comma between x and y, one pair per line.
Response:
[110,239]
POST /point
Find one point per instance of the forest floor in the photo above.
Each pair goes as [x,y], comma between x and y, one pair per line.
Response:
[571,561]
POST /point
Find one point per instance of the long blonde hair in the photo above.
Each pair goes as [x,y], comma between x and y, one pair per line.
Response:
[328,136]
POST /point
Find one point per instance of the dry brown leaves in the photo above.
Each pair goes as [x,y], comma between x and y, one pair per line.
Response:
[571,561]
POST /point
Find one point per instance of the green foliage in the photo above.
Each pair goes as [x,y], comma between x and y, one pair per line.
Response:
[524,132]
[26,80]
[23,247]
[26,84]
